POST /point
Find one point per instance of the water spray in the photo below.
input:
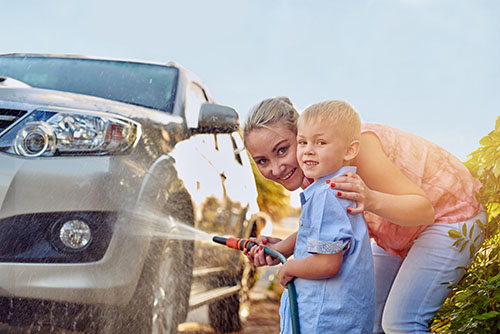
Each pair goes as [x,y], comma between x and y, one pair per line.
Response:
[242,244]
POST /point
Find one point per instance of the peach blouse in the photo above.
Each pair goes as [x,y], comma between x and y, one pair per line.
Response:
[444,178]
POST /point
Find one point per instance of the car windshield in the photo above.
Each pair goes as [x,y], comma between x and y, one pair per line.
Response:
[148,85]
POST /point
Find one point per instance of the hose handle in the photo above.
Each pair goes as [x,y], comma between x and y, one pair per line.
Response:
[240,244]
[235,243]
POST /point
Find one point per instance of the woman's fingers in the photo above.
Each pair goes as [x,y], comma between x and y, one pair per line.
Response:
[350,186]
[347,182]
[259,256]
[355,211]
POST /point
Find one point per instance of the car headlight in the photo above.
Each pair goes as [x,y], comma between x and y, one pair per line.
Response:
[62,132]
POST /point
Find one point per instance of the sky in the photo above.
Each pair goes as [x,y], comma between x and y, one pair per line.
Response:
[427,67]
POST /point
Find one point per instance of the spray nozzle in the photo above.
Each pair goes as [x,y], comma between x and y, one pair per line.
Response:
[235,243]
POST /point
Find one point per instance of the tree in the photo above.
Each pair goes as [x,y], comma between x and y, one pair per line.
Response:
[473,306]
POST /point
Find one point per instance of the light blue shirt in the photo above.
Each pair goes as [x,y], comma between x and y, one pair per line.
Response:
[344,303]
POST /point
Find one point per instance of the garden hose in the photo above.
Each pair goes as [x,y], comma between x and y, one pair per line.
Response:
[242,244]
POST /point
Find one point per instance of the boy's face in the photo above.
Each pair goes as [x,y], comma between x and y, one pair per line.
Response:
[319,150]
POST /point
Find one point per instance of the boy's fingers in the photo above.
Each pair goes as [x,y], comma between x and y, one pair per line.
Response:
[285,280]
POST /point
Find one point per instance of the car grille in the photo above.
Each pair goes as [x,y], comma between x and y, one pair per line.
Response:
[9,117]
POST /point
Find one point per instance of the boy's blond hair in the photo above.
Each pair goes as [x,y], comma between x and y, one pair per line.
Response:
[345,119]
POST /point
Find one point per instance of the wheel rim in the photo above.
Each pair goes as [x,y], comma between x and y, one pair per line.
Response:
[164,315]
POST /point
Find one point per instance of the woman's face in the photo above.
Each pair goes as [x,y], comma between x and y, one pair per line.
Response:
[274,151]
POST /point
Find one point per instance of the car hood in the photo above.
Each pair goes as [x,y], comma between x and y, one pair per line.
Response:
[36,97]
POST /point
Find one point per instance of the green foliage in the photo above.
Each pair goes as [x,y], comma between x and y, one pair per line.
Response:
[473,307]
[273,198]
[464,237]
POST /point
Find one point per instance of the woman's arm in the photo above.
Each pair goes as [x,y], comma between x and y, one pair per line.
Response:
[383,189]
[314,266]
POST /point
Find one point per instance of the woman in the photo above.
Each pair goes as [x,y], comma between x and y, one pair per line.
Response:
[411,191]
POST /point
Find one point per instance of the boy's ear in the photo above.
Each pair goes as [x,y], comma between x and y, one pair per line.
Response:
[352,150]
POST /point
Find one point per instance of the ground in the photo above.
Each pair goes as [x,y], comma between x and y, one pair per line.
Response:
[263,319]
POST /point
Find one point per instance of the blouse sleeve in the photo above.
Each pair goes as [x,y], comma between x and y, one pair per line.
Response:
[331,230]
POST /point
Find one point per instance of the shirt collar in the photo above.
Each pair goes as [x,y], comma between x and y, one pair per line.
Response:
[321,183]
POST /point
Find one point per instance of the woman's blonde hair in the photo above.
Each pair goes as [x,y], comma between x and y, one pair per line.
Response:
[267,112]
[346,120]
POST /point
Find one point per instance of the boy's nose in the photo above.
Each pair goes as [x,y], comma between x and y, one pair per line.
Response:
[309,151]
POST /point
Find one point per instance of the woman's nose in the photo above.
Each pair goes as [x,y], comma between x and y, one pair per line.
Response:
[277,168]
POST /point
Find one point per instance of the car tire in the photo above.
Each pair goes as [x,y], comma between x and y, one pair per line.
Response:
[162,295]
[161,299]
[224,314]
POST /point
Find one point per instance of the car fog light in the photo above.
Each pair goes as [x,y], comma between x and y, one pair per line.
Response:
[75,234]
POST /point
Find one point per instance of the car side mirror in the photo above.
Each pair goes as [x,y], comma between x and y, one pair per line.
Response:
[216,118]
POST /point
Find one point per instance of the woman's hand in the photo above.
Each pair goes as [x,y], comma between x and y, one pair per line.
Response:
[257,256]
[353,188]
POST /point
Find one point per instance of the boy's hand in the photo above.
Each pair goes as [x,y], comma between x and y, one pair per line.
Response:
[257,256]
[283,275]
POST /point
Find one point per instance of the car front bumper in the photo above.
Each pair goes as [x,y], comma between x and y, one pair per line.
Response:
[60,187]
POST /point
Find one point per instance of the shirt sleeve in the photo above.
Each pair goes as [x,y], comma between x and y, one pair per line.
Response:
[331,230]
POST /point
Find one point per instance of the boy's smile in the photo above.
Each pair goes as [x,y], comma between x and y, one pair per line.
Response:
[310,163]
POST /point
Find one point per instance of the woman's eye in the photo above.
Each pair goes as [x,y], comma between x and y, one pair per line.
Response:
[261,162]
[282,151]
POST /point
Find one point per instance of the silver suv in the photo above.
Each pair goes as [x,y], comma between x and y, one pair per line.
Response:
[101,162]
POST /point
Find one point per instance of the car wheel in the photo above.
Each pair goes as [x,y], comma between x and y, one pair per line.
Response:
[224,315]
[171,298]
[229,314]
[161,299]
[162,294]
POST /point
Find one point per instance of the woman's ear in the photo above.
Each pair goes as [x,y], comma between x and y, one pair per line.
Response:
[352,150]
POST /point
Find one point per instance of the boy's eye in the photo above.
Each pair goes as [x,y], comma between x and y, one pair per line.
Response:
[321,142]
[302,142]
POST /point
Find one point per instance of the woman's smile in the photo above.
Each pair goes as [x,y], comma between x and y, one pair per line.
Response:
[287,176]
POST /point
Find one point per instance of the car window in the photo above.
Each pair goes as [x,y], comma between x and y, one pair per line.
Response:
[148,85]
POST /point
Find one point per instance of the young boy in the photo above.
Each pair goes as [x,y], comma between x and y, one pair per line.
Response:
[332,263]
